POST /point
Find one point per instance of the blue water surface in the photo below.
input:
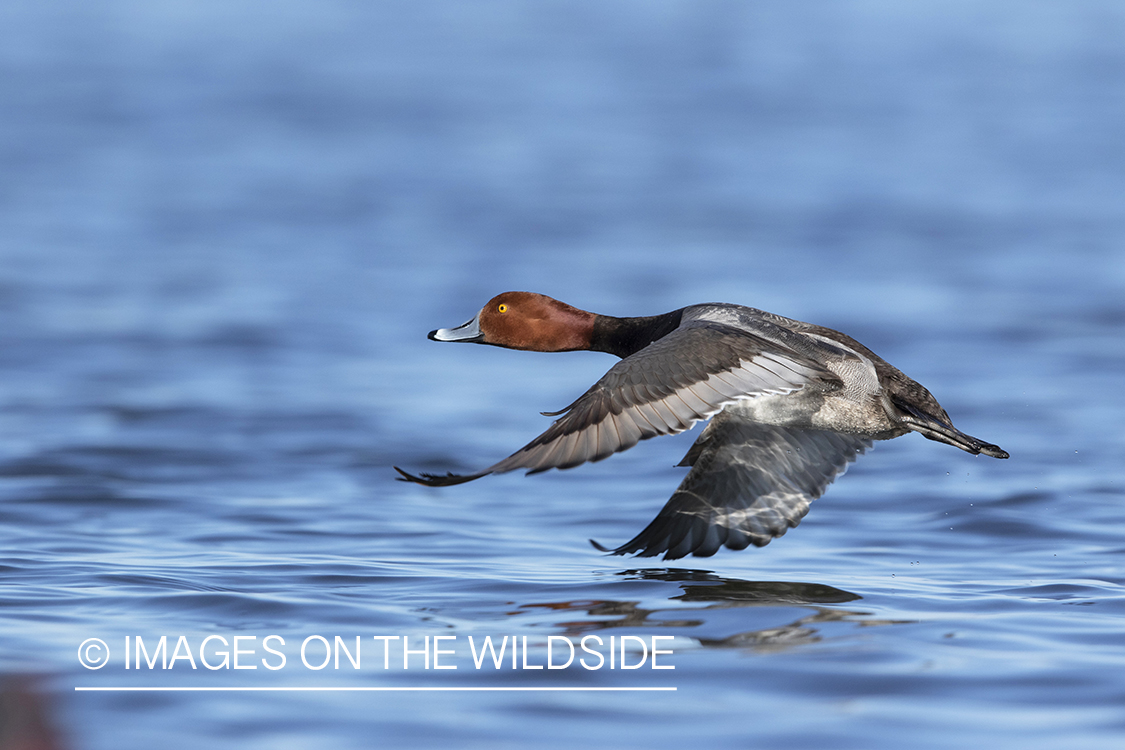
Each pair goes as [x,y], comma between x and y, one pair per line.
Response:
[225,229]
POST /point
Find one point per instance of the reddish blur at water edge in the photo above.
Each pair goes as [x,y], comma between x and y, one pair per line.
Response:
[25,717]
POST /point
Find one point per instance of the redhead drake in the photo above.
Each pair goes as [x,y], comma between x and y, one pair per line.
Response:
[791,405]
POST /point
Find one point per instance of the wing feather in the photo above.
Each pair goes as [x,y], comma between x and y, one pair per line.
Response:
[749,483]
[688,375]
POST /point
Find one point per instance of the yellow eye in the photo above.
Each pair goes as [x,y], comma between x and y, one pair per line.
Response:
[502,308]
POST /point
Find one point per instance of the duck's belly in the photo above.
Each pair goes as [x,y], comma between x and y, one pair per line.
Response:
[834,412]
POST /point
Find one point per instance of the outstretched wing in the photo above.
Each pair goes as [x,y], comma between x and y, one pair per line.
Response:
[688,375]
[749,483]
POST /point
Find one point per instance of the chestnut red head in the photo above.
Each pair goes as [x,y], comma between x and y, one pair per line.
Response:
[525,320]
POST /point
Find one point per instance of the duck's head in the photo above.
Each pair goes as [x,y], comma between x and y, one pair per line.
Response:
[525,320]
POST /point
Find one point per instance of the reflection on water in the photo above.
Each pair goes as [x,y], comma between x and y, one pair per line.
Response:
[708,587]
[701,587]
[800,632]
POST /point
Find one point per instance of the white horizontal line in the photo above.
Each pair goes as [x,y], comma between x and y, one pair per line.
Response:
[372,689]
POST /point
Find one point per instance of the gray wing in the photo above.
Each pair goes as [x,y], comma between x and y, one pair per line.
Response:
[688,375]
[749,483]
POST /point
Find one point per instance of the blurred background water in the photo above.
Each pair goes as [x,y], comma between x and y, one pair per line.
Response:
[226,227]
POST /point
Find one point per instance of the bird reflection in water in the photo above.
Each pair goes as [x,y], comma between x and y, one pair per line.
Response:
[714,593]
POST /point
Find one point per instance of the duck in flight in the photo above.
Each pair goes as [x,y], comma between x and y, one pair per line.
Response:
[791,404]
